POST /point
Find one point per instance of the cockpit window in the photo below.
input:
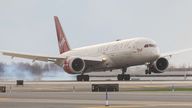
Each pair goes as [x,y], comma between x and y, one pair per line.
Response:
[149,45]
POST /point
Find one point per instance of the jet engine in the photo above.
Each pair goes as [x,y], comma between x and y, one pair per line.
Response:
[160,65]
[74,65]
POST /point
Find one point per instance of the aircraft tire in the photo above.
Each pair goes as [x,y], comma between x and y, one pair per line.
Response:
[120,77]
[127,77]
[79,78]
[86,77]
[82,77]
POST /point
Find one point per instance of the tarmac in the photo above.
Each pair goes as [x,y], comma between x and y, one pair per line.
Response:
[132,94]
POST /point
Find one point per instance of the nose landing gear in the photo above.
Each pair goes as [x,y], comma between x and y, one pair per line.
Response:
[148,70]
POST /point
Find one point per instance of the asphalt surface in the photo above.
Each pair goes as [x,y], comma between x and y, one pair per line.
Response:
[54,95]
[95,100]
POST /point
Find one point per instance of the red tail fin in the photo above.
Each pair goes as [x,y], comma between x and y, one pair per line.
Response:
[62,40]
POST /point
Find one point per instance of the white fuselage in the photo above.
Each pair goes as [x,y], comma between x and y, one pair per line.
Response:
[118,54]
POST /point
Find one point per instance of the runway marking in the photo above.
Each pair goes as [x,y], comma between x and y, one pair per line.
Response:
[127,106]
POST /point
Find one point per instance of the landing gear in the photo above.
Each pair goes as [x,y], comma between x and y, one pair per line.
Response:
[148,70]
[82,77]
[120,77]
[123,76]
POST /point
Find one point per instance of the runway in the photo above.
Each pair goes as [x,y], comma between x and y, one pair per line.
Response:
[61,95]
[95,100]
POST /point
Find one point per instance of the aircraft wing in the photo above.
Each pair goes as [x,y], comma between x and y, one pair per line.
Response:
[31,56]
[170,54]
[46,58]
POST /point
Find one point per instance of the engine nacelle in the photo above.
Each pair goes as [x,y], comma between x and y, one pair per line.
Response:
[160,65]
[74,65]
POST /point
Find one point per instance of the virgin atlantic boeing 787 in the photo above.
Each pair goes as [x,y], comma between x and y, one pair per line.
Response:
[119,54]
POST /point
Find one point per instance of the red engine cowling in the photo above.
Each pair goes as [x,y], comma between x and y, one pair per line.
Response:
[74,65]
[160,65]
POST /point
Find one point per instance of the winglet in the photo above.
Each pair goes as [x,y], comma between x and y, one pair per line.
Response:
[62,40]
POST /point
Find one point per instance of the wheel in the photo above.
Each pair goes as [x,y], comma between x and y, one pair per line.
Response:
[79,78]
[82,77]
[127,77]
[120,77]
[149,72]
[86,77]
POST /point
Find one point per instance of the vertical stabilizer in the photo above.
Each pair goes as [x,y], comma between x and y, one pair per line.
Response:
[62,40]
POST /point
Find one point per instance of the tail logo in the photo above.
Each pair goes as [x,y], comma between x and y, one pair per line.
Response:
[62,40]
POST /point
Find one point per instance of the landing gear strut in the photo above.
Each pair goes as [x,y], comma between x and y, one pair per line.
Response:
[82,77]
[148,70]
[123,76]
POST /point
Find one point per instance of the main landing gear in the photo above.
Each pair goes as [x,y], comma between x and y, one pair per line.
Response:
[123,76]
[120,77]
[82,77]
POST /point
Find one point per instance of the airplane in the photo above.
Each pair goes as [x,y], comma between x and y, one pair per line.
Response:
[119,54]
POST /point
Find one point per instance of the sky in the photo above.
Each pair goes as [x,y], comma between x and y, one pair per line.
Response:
[28,25]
